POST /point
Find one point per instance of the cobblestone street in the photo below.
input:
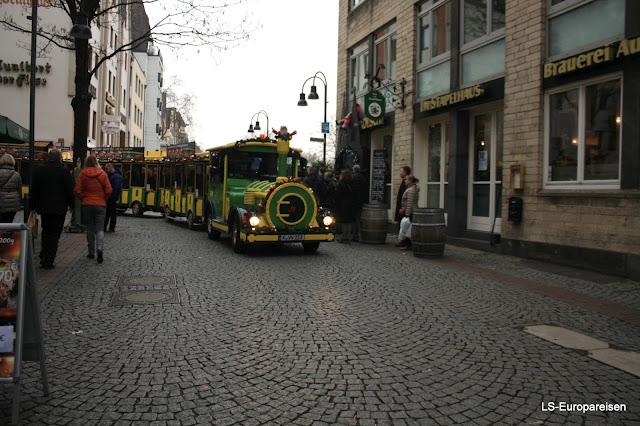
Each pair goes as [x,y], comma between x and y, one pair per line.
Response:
[176,329]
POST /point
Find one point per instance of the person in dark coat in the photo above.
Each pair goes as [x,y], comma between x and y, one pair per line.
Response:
[311,180]
[51,196]
[115,179]
[361,191]
[346,206]
[10,187]
[328,191]
[404,172]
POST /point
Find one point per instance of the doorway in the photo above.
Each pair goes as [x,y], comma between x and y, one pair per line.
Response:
[486,142]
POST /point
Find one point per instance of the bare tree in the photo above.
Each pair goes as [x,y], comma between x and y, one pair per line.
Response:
[184,103]
[315,154]
[196,24]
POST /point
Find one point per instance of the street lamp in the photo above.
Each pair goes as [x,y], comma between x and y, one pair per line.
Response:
[257,126]
[313,94]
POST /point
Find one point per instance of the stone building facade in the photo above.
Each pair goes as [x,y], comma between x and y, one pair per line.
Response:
[524,132]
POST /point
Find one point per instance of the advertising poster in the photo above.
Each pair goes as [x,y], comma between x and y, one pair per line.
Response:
[9,277]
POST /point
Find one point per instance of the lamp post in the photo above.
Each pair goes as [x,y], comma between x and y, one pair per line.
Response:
[313,94]
[257,126]
[32,104]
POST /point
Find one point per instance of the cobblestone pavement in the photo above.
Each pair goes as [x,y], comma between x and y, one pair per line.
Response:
[176,329]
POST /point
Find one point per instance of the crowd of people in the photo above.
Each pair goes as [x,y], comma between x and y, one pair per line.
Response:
[53,193]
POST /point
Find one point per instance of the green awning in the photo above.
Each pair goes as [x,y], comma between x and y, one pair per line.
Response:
[11,132]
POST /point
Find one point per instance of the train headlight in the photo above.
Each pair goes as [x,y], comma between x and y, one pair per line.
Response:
[254,221]
[327,220]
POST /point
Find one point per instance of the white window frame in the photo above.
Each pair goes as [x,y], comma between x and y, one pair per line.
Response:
[359,53]
[580,182]
[434,61]
[355,3]
[388,39]
[488,38]
[567,7]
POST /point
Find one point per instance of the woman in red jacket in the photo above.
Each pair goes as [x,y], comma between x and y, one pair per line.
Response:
[93,190]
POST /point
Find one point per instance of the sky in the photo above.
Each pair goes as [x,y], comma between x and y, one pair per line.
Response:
[296,39]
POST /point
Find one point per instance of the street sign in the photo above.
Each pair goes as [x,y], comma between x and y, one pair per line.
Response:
[316,139]
[325,127]
[107,117]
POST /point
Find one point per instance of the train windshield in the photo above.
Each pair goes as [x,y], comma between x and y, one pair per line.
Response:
[253,165]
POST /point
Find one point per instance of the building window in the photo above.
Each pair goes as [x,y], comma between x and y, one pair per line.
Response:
[483,50]
[93,127]
[590,22]
[385,53]
[355,3]
[434,45]
[583,134]
[482,18]
[358,69]
[109,82]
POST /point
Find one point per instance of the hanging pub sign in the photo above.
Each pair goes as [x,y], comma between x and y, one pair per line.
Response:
[374,105]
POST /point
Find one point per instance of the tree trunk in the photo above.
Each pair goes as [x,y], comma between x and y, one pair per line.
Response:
[81,102]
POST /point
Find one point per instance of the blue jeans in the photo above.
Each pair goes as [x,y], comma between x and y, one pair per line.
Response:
[93,219]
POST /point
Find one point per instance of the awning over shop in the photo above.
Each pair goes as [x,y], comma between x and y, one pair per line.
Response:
[11,132]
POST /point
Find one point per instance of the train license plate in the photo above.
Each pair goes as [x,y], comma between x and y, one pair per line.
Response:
[292,237]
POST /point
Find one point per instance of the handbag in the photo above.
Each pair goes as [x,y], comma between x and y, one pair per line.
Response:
[33,224]
[405,228]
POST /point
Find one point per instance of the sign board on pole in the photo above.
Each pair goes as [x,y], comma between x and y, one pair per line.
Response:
[316,139]
[20,326]
[325,127]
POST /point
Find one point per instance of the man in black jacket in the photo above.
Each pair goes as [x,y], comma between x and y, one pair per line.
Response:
[361,191]
[51,196]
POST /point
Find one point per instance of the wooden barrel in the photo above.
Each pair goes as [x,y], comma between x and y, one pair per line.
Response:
[428,232]
[373,224]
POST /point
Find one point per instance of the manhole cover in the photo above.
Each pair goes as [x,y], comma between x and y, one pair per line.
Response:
[145,297]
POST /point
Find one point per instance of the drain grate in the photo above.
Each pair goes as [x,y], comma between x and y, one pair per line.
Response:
[145,290]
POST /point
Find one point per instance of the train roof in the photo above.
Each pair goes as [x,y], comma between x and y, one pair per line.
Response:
[267,144]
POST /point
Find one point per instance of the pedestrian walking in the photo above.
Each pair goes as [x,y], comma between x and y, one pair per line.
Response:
[404,172]
[409,205]
[93,189]
[312,180]
[115,179]
[345,206]
[51,197]
[10,189]
[361,191]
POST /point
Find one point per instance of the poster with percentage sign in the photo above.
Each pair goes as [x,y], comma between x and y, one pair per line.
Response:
[9,277]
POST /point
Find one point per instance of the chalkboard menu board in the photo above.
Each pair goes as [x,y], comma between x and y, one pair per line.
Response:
[377,176]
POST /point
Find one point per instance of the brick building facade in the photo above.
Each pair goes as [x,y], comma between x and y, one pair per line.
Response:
[500,109]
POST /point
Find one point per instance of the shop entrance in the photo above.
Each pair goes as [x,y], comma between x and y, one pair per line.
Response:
[486,135]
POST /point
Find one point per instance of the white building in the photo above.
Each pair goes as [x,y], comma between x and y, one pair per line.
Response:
[117,116]
[54,76]
[151,63]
